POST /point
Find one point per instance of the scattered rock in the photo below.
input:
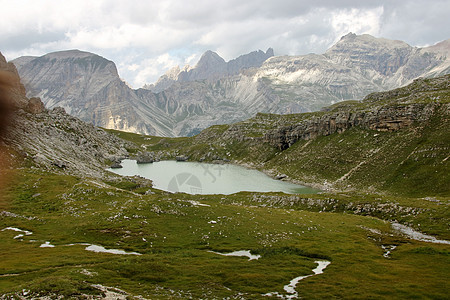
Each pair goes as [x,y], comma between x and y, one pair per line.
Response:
[181,158]
[59,163]
[116,165]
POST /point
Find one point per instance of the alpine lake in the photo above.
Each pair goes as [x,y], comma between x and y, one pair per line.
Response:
[207,179]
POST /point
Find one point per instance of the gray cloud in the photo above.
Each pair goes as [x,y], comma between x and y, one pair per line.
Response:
[24,39]
[145,37]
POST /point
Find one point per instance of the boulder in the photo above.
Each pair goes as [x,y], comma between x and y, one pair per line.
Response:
[116,165]
[35,106]
[280,176]
[144,158]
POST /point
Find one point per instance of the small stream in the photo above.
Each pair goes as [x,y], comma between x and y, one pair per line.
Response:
[291,292]
[416,235]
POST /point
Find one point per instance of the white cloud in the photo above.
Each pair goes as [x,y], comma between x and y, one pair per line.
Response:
[153,68]
[357,20]
[133,67]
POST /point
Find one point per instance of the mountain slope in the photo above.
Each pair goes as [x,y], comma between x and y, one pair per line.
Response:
[55,141]
[66,223]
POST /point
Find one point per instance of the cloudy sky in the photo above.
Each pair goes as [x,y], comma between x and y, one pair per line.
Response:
[145,38]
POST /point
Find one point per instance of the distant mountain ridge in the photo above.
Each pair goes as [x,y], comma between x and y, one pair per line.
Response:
[213,92]
[210,67]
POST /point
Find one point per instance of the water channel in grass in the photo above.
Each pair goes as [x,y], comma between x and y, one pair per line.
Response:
[204,178]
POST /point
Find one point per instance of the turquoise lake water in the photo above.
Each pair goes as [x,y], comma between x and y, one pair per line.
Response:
[204,178]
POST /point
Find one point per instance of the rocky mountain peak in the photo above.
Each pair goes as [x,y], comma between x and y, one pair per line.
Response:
[70,79]
[366,40]
[210,57]
[210,66]
[349,36]
[441,48]
[251,60]
[84,60]
[270,52]
[208,62]
[69,54]
[369,53]
[173,72]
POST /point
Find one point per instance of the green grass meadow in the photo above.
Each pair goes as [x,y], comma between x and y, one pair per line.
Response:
[175,238]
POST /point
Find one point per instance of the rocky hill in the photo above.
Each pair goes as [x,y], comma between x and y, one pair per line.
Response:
[52,139]
[213,92]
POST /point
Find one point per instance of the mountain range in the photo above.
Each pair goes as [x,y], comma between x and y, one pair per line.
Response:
[185,101]
[210,66]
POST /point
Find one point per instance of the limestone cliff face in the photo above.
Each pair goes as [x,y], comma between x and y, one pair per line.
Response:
[401,110]
[389,118]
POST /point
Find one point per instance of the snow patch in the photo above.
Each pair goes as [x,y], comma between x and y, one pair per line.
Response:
[240,253]
[388,249]
[96,248]
[25,232]
[196,203]
[47,245]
